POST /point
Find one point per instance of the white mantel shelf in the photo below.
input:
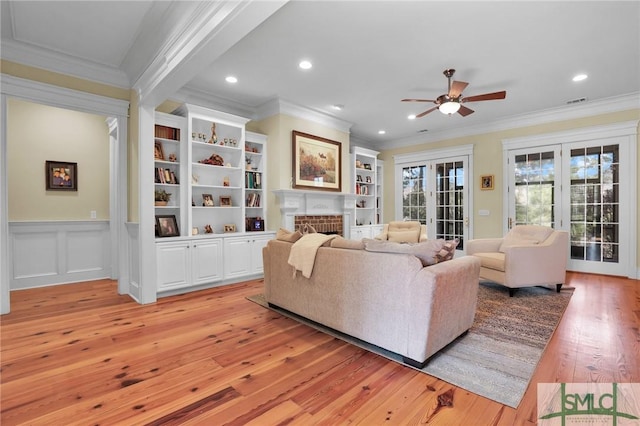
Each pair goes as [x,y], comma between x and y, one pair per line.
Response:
[296,202]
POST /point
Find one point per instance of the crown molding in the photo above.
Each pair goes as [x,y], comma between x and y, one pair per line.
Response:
[61,63]
[61,97]
[190,95]
[552,115]
[281,106]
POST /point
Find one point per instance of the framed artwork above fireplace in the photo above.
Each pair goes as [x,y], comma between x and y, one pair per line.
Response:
[317,162]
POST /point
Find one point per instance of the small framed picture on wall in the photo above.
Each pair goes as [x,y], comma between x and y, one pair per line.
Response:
[61,176]
[486,182]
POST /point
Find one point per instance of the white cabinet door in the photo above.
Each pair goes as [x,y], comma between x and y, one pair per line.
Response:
[358,233]
[237,257]
[206,261]
[173,265]
[257,245]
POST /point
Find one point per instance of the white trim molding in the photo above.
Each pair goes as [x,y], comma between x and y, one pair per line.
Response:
[566,112]
[281,106]
[58,252]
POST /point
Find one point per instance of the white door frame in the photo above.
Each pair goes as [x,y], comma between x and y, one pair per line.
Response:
[433,156]
[60,97]
[626,134]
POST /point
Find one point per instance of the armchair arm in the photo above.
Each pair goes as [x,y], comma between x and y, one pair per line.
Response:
[483,245]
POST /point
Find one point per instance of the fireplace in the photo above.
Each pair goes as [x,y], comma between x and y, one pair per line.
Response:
[327,212]
[325,224]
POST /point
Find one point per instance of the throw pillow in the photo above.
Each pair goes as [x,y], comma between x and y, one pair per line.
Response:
[340,242]
[427,251]
[403,236]
[447,251]
[288,236]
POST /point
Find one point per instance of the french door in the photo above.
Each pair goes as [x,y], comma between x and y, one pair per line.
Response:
[435,192]
[584,187]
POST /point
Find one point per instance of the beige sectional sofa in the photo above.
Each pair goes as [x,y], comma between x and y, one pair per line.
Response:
[386,299]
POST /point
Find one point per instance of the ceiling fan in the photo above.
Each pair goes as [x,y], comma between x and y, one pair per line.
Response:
[452,101]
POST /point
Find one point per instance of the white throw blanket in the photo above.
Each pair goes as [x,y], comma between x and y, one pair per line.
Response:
[303,252]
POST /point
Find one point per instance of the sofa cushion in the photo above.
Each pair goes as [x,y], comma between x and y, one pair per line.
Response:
[426,251]
[492,260]
[403,236]
[340,242]
[288,236]
[525,235]
[447,251]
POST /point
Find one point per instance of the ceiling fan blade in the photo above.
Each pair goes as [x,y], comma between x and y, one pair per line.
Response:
[456,88]
[486,97]
[422,114]
[417,100]
[464,111]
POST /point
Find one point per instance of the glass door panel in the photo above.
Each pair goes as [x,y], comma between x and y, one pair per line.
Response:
[595,203]
[449,201]
[414,188]
[534,189]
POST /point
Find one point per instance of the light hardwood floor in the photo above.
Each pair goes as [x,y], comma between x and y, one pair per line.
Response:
[81,354]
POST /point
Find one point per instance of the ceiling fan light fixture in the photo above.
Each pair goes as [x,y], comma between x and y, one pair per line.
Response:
[450,107]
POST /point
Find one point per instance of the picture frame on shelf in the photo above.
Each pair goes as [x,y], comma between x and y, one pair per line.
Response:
[207,200]
[367,166]
[229,227]
[486,182]
[225,201]
[158,151]
[61,176]
[255,224]
[167,226]
[317,162]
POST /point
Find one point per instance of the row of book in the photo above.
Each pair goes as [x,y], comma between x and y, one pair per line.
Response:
[166,176]
[362,189]
[166,132]
[253,180]
[252,200]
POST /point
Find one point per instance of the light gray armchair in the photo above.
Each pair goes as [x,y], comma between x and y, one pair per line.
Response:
[529,255]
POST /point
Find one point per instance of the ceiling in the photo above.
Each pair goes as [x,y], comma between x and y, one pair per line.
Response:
[366,55]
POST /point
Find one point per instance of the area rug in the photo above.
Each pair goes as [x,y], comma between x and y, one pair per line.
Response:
[499,355]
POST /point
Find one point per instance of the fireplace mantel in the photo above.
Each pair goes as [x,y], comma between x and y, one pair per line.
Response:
[295,202]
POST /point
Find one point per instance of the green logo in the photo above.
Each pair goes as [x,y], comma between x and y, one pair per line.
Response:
[586,402]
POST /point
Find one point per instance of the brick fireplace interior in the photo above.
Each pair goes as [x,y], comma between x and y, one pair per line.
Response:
[325,224]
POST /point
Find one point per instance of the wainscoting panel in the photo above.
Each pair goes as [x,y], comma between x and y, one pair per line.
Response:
[133,251]
[50,253]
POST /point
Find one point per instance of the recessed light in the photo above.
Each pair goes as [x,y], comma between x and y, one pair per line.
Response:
[231,79]
[412,117]
[382,132]
[305,65]
[337,107]
[580,77]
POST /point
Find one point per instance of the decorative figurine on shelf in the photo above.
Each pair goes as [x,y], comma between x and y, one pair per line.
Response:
[248,161]
[225,181]
[214,160]
[173,158]
[214,137]
[194,231]
[208,229]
